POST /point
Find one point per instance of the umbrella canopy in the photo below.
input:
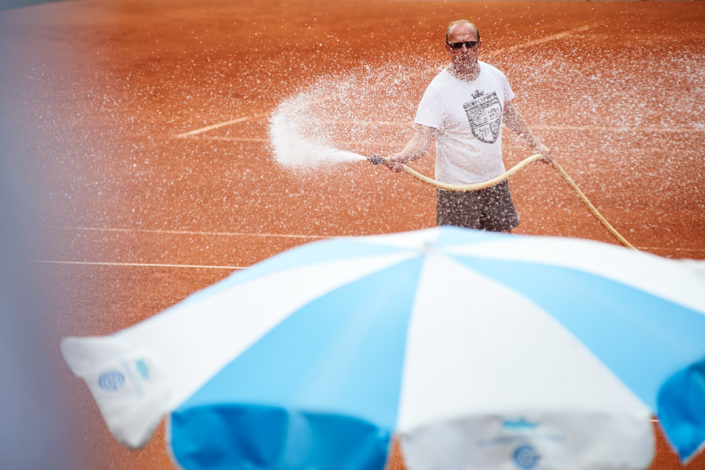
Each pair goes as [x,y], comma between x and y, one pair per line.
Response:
[475,349]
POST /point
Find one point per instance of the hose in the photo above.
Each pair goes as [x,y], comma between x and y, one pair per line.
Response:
[376,159]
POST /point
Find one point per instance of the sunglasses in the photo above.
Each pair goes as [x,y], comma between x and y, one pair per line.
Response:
[467,44]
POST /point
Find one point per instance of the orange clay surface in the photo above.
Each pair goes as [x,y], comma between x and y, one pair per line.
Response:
[147,204]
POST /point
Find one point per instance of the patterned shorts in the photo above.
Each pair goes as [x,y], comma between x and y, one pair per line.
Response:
[486,209]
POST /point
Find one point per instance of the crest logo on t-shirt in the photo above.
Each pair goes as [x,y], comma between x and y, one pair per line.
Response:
[484,113]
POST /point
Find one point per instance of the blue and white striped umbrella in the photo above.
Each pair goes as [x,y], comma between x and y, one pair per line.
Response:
[474,349]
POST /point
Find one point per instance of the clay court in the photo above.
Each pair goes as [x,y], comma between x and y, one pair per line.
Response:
[150,123]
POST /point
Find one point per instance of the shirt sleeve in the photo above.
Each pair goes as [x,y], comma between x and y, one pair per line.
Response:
[508,92]
[429,112]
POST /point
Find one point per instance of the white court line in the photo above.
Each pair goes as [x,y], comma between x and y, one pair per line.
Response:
[668,130]
[649,248]
[227,139]
[605,129]
[285,235]
[551,37]
[374,123]
[197,232]
[140,265]
[220,124]
[207,266]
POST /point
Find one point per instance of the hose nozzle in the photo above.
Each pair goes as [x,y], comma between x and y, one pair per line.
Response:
[376,159]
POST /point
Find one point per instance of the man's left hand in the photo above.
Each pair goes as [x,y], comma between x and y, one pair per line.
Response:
[545,152]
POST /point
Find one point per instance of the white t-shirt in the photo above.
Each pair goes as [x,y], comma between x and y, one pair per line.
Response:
[468,117]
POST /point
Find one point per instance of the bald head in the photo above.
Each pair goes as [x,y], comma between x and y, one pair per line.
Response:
[464,24]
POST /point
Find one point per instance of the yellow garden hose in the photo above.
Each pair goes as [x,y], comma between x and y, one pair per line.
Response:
[376,159]
[590,207]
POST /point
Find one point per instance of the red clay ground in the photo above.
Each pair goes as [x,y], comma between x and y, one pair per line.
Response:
[139,218]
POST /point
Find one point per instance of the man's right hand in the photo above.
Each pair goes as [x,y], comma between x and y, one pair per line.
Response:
[395,162]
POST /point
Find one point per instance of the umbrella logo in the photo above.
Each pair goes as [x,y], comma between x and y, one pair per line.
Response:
[111,380]
[143,368]
[526,457]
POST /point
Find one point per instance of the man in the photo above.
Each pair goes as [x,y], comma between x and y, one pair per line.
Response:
[463,109]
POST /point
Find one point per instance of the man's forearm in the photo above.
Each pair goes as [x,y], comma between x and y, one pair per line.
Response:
[515,121]
[416,147]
